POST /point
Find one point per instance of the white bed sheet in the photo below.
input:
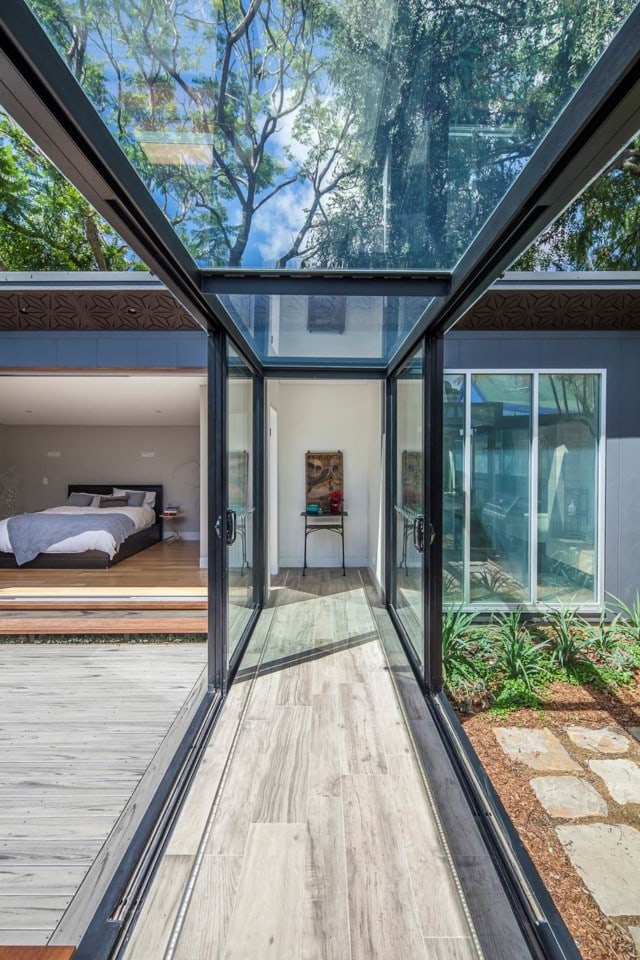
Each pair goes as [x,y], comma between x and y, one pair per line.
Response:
[143,517]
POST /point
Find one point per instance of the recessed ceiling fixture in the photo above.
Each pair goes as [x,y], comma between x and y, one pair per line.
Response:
[158,411]
[132,310]
[28,411]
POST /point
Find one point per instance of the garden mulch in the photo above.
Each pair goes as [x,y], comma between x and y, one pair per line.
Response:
[598,937]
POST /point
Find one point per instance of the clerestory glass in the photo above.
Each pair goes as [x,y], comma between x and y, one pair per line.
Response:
[332,134]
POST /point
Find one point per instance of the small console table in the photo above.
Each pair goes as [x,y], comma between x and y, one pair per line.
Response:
[323,521]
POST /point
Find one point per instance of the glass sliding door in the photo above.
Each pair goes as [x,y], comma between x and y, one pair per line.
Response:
[409,534]
[241,489]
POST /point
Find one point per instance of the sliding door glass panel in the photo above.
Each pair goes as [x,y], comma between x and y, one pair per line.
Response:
[568,430]
[409,501]
[453,492]
[240,498]
[500,484]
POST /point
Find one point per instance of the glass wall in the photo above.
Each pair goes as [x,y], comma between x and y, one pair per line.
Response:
[408,593]
[568,431]
[453,488]
[520,488]
[240,478]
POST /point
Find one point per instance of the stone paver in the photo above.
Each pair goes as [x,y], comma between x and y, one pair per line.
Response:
[634,933]
[569,797]
[607,857]
[621,777]
[539,749]
[604,740]
[635,732]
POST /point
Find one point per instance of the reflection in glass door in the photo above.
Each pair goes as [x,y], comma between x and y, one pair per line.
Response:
[239,518]
[409,512]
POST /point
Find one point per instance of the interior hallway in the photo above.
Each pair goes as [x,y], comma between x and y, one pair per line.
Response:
[308,832]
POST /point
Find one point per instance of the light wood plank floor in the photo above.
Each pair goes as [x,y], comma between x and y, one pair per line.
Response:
[307,833]
[79,727]
[159,590]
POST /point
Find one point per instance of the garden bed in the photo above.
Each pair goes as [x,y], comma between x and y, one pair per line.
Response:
[559,675]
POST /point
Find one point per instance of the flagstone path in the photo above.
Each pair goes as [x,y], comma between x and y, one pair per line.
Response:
[593,795]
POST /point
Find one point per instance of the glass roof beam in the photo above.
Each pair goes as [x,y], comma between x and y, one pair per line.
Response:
[321,283]
[596,124]
[44,98]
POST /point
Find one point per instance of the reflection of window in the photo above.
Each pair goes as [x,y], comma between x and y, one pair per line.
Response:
[326,314]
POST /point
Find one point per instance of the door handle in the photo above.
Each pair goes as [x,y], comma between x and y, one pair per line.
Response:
[432,533]
[418,534]
[232,527]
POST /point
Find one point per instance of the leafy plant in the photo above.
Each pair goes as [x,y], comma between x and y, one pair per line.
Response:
[515,695]
[517,658]
[605,636]
[629,627]
[568,638]
[457,646]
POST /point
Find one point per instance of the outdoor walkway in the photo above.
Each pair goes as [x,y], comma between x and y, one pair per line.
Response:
[308,831]
[85,734]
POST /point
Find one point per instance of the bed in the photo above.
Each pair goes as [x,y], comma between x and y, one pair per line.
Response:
[76,552]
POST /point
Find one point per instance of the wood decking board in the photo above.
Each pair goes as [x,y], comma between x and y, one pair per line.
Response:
[300,849]
[80,731]
[37,953]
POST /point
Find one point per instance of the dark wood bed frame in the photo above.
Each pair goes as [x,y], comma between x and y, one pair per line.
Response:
[97,559]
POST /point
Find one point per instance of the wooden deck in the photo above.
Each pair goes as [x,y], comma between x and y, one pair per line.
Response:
[308,832]
[82,734]
[159,590]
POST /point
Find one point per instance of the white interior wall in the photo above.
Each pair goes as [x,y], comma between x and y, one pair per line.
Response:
[330,415]
[111,455]
[290,337]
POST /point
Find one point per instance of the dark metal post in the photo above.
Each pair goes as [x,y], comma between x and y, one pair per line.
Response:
[259,491]
[217,482]
[390,491]
[433,414]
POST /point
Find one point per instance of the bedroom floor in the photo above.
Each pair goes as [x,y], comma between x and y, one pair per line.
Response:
[159,590]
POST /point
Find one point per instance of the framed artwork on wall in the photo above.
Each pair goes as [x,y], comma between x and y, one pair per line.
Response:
[324,477]
[239,479]
[412,474]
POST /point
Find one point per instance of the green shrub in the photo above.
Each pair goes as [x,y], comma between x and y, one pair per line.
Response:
[516,657]
[458,659]
[629,627]
[515,695]
[605,636]
[568,637]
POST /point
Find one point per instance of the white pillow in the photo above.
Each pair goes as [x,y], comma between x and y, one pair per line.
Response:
[149,496]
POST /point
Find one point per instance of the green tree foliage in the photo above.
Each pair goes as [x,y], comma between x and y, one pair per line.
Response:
[358,134]
[45,224]
[600,230]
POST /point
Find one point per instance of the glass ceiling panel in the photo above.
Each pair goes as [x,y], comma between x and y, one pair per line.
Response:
[333,134]
[366,330]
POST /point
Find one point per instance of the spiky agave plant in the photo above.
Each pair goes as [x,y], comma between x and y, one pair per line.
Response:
[517,657]
[568,638]
[457,645]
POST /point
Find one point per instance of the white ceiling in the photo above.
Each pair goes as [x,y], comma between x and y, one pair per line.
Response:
[100,400]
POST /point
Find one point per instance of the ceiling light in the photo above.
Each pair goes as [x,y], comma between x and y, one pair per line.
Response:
[28,411]
[132,310]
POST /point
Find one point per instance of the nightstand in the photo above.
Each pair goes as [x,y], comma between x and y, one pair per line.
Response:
[171,519]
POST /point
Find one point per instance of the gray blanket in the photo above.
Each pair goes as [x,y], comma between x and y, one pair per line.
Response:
[31,533]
